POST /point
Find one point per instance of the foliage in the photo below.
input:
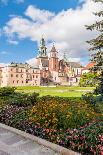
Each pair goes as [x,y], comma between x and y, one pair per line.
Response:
[95,101]
[23,99]
[6,91]
[7,112]
[52,113]
[89,98]
[97,49]
[88,79]
[67,122]
[87,139]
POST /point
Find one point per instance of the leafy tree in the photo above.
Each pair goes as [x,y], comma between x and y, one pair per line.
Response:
[97,49]
[88,79]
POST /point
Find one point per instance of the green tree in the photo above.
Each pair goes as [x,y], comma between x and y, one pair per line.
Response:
[88,80]
[97,49]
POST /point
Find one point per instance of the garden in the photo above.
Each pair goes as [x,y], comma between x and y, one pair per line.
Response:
[75,123]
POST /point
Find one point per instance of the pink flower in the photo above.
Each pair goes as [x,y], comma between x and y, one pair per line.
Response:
[101,152]
[71,132]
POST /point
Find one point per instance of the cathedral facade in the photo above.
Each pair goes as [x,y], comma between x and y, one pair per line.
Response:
[47,70]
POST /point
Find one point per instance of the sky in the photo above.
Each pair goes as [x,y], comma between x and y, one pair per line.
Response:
[62,22]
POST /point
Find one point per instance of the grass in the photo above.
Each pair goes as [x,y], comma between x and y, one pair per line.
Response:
[62,91]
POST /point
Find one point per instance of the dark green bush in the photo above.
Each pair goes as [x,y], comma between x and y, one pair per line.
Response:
[89,98]
[33,98]
[22,99]
[6,91]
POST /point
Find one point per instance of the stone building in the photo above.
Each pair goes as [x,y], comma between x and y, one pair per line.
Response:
[47,70]
[20,75]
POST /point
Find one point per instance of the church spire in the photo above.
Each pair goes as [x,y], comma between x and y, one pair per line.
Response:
[42,48]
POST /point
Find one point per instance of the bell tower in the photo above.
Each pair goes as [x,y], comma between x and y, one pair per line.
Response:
[42,48]
[53,61]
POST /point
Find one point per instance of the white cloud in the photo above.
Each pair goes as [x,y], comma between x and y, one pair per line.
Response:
[65,28]
[32,62]
[38,15]
[4,64]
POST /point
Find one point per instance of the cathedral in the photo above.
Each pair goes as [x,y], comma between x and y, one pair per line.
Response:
[46,71]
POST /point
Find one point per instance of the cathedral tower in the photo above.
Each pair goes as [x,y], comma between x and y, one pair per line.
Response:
[42,58]
[53,61]
[42,48]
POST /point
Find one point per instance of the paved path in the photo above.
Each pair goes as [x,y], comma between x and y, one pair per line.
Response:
[13,144]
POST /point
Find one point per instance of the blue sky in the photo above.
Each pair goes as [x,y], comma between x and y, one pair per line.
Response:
[19,17]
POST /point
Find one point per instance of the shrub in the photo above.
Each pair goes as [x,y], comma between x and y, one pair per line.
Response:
[33,98]
[6,91]
[22,99]
[89,98]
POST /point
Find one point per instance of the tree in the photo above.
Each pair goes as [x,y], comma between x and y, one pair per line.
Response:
[97,50]
[88,80]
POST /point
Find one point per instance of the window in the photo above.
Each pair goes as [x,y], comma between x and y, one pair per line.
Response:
[33,76]
[13,81]
[16,69]
[21,70]
[36,76]
[26,81]
[16,75]
[11,69]
[21,75]
[11,75]
[22,81]
[17,81]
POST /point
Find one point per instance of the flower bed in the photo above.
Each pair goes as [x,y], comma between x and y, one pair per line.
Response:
[71,123]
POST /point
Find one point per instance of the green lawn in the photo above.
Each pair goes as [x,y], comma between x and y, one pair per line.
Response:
[62,91]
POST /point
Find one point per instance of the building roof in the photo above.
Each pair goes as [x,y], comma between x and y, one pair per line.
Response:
[25,65]
[74,64]
[89,65]
[53,49]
